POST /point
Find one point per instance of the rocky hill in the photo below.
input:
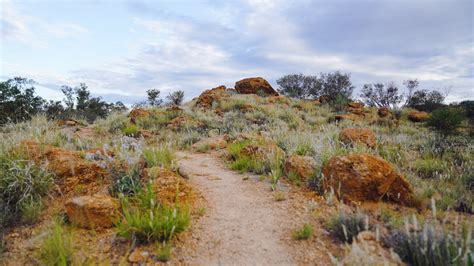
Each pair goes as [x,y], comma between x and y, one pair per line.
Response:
[237,176]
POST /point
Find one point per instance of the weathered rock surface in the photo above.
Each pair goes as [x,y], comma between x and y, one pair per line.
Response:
[358,135]
[254,86]
[208,97]
[418,116]
[364,177]
[303,166]
[384,112]
[138,113]
[169,187]
[97,211]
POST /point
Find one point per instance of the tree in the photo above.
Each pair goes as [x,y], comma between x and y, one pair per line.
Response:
[298,85]
[446,120]
[381,95]
[82,96]
[411,85]
[334,85]
[154,97]
[426,100]
[175,98]
[18,101]
[53,109]
[69,96]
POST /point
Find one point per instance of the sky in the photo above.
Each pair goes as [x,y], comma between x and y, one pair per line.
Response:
[120,49]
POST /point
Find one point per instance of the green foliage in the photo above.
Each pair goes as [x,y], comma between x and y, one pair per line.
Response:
[131,131]
[163,252]
[430,167]
[56,248]
[303,233]
[22,185]
[446,120]
[346,226]
[175,98]
[126,182]
[162,156]
[146,220]
[431,245]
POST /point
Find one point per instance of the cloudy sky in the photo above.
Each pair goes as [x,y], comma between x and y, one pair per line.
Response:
[122,48]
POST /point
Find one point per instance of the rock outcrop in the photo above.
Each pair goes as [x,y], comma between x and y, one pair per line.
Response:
[418,116]
[303,167]
[364,177]
[91,212]
[255,86]
[138,113]
[208,97]
[365,136]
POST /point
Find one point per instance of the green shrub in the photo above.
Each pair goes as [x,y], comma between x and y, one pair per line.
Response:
[131,131]
[429,168]
[56,248]
[303,233]
[126,182]
[22,185]
[146,220]
[163,252]
[430,245]
[446,120]
[346,226]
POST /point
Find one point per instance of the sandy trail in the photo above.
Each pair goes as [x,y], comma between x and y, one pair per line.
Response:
[243,224]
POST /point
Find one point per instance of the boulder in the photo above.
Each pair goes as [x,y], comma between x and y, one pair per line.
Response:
[169,187]
[208,97]
[384,112]
[138,113]
[366,250]
[97,211]
[418,116]
[364,177]
[255,86]
[351,117]
[358,135]
[356,108]
[303,166]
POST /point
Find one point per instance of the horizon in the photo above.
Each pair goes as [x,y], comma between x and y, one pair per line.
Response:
[121,49]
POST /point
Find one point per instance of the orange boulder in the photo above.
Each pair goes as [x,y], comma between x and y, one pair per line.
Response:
[303,166]
[97,211]
[138,113]
[384,112]
[364,177]
[418,116]
[358,135]
[255,86]
[208,97]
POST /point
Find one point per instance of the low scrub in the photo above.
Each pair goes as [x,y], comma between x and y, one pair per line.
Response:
[146,220]
[57,248]
[162,156]
[432,245]
[346,226]
[303,233]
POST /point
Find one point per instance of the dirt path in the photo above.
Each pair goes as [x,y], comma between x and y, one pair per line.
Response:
[243,224]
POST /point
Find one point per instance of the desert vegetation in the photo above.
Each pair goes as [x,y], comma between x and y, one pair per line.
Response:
[390,168]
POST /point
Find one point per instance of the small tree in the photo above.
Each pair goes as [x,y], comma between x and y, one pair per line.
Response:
[298,86]
[411,85]
[18,101]
[334,85]
[175,98]
[446,120]
[154,97]
[381,95]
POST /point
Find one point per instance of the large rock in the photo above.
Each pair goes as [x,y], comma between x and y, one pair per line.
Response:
[384,112]
[364,177]
[255,86]
[418,116]
[169,187]
[358,135]
[208,97]
[356,108]
[97,211]
[366,250]
[138,113]
[303,166]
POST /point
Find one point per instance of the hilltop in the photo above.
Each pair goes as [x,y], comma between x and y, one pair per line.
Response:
[240,175]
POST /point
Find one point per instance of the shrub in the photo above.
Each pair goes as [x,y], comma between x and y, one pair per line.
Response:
[446,120]
[146,220]
[126,182]
[163,252]
[431,246]
[346,226]
[22,184]
[56,248]
[131,131]
[303,233]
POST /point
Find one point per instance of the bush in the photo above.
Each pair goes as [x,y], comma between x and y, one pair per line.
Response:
[303,233]
[146,220]
[431,246]
[446,120]
[126,182]
[346,226]
[162,156]
[131,131]
[22,185]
